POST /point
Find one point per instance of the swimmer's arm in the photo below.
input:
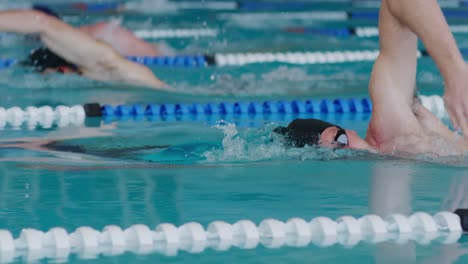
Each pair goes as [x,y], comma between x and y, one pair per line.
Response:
[19,21]
[395,127]
[458,145]
[96,59]
[130,45]
[136,74]
[392,84]
[425,18]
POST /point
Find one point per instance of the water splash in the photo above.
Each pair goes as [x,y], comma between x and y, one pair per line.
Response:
[32,80]
[263,144]
[282,80]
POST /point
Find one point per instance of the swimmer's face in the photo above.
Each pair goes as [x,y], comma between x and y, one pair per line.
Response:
[329,137]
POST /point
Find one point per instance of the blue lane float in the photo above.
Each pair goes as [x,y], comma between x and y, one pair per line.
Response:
[325,106]
[287,6]
[264,6]
[85,7]
[247,113]
[173,61]
[181,61]
[332,32]
[360,32]
[374,14]
[253,5]
[7,63]
[324,15]
[239,59]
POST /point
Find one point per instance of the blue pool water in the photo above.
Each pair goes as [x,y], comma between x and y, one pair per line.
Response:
[151,172]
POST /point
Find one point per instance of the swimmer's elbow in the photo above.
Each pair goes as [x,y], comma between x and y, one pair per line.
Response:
[108,58]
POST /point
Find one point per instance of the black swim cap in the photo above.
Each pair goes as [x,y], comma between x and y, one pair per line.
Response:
[301,132]
[43,58]
[46,10]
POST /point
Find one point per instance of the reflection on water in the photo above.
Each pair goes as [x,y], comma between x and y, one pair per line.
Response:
[391,192]
[44,197]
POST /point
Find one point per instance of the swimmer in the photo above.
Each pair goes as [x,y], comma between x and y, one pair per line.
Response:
[399,122]
[435,139]
[314,132]
[400,125]
[72,50]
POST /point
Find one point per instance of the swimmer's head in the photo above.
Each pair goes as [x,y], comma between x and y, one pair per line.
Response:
[314,132]
[44,60]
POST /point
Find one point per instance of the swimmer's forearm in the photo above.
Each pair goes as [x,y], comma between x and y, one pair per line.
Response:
[131,73]
[21,21]
[425,18]
[144,76]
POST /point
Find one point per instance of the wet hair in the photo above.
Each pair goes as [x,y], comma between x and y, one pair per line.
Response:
[43,58]
[301,132]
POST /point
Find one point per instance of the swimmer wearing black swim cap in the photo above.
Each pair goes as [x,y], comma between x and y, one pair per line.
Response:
[315,132]
[44,60]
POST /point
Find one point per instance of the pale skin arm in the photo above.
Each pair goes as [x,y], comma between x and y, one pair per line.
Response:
[95,59]
[399,124]
[425,18]
[124,41]
[392,85]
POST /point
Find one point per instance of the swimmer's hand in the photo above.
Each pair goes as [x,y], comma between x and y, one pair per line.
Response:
[456,98]
[167,87]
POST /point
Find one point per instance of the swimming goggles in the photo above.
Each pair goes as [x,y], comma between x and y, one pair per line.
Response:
[341,138]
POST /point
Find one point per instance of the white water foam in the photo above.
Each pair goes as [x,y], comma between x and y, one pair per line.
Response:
[282,80]
[264,144]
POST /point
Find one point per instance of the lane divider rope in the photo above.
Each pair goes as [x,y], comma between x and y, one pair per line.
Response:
[170,33]
[249,5]
[175,33]
[239,59]
[241,5]
[360,32]
[167,239]
[330,57]
[258,6]
[442,3]
[109,6]
[206,5]
[327,15]
[322,16]
[62,116]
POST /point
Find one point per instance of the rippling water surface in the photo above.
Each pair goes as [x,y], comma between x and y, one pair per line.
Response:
[209,168]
